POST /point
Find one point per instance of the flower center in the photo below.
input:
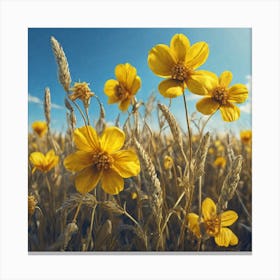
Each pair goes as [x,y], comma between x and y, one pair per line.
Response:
[120,92]
[102,161]
[220,95]
[179,72]
[213,226]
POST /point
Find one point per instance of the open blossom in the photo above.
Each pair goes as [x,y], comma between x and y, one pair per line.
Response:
[177,63]
[246,136]
[100,159]
[81,91]
[215,224]
[43,162]
[124,88]
[220,162]
[218,95]
[40,128]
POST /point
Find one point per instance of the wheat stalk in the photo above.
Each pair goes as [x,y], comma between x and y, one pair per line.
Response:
[47,107]
[174,126]
[230,183]
[200,155]
[62,63]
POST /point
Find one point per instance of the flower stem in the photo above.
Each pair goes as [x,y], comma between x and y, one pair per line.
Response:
[77,211]
[189,129]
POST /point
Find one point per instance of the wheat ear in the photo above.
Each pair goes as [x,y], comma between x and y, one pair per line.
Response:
[62,63]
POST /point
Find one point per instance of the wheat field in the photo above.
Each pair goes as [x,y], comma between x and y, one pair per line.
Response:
[176,189]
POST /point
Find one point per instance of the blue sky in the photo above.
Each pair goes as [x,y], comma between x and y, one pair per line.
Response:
[93,53]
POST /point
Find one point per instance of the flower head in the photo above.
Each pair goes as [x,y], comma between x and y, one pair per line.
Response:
[177,63]
[167,162]
[81,91]
[100,159]
[215,224]
[43,162]
[40,128]
[219,96]
[123,89]
[246,136]
[220,162]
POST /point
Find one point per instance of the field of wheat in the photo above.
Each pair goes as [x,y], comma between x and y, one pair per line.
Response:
[131,186]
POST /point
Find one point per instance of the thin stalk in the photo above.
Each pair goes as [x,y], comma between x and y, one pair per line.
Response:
[91,226]
[199,207]
[80,110]
[205,123]
[170,213]
[189,128]
[77,212]
[87,116]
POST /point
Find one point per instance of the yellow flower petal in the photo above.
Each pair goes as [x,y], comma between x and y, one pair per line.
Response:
[86,139]
[161,60]
[224,237]
[52,163]
[230,112]
[113,99]
[126,163]
[112,139]
[125,74]
[225,79]
[202,82]
[193,224]
[207,106]
[238,93]
[110,87]
[180,44]
[112,182]
[208,208]
[171,88]
[197,55]
[228,218]
[233,239]
[37,159]
[87,179]
[78,161]
[136,85]
[124,104]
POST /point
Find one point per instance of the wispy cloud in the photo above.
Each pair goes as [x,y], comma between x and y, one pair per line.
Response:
[36,100]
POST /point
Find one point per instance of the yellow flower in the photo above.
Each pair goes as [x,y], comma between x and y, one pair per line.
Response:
[123,89]
[220,162]
[218,95]
[211,151]
[81,91]
[40,127]
[246,136]
[177,63]
[214,224]
[167,162]
[100,159]
[43,162]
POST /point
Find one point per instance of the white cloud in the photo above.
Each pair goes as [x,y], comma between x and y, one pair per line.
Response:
[36,100]
[55,106]
[246,108]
